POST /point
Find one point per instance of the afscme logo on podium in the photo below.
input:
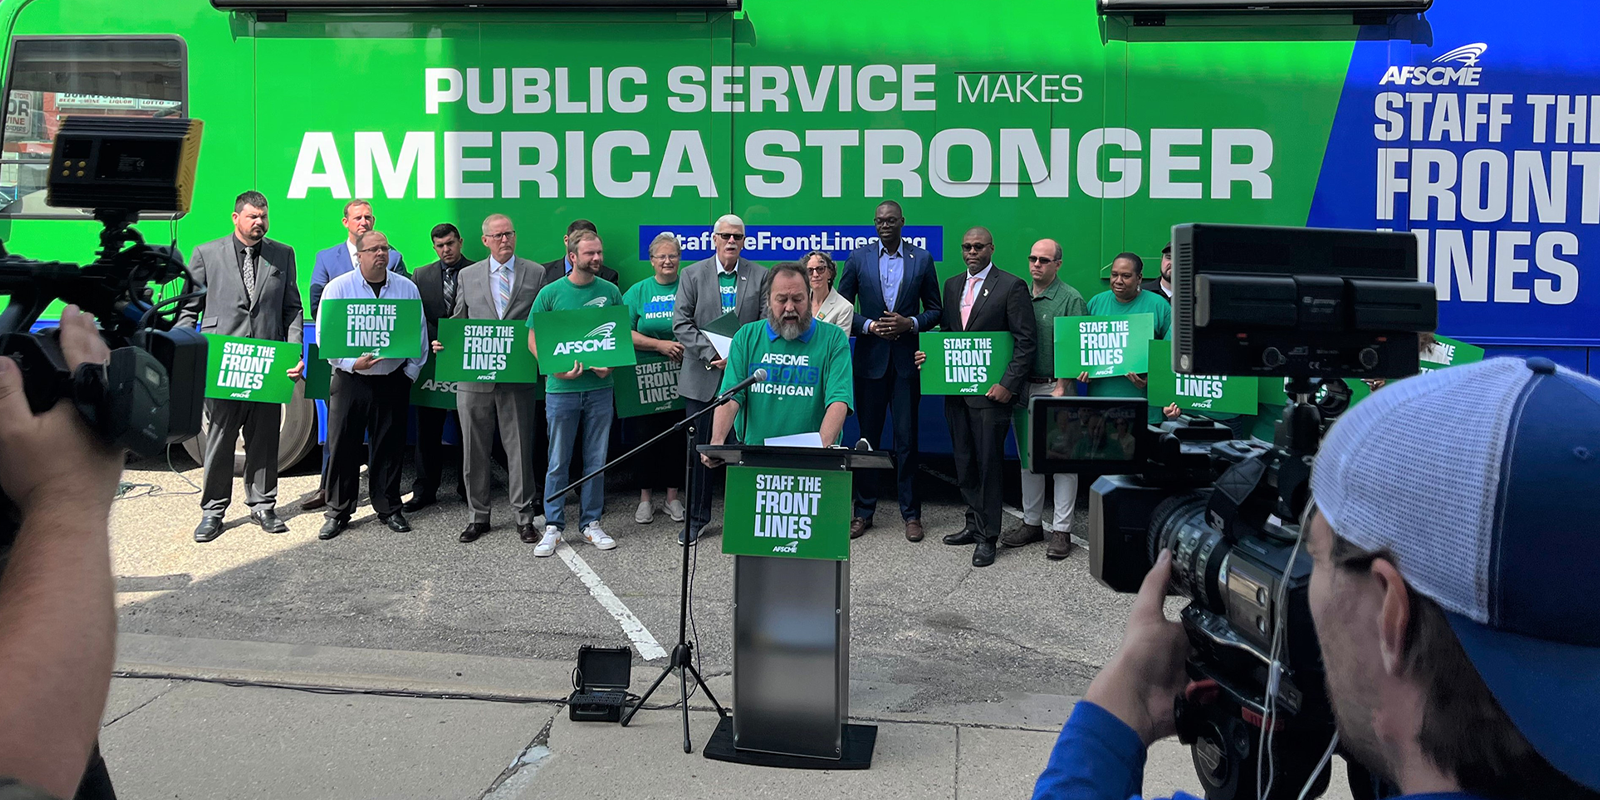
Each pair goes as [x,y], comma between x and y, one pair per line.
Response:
[601,338]
[791,547]
[1465,75]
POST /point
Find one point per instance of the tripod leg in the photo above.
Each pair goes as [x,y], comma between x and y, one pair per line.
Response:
[628,717]
[683,691]
[721,712]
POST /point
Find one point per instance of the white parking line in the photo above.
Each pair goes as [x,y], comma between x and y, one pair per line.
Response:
[649,649]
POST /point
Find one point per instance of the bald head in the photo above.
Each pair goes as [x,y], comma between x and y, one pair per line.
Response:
[1044,261]
[977,249]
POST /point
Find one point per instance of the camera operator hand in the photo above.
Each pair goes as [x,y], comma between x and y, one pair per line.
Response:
[57,619]
[1139,684]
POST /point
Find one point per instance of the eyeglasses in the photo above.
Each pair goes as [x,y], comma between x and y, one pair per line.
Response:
[666,256]
[382,248]
[887,220]
[500,236]
[816,270]
[731,237]
[971,247]
[1040,259]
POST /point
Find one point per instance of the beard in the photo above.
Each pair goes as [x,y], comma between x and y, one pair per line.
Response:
[789,329]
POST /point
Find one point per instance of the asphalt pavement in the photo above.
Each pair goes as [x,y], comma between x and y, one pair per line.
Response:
[382,664]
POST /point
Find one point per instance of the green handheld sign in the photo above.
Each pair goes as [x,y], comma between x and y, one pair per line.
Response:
[593,336]
[1218,393]
[428,391]
[964,363]
[1448,352]
[1103,346]
[252,370]
[485,351]
[787,513]
[319,374]
[384,328]
[649,387]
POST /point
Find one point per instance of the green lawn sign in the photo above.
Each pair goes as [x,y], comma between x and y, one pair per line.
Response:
[252,370]
[385,328]
[598,337]
[485,351]
[964,363]
[1103,346]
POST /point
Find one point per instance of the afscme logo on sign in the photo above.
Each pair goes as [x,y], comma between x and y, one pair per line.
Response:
[600,338]
[1465,75]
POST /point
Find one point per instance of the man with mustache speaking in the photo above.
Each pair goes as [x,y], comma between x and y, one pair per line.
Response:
[808,387]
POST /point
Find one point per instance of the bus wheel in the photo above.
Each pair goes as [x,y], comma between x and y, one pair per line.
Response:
[297,434]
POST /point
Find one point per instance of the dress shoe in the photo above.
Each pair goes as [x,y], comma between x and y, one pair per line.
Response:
[1024,534]
[913,530]
[528,532]
[269,522]
[397,523]
[859,525]
[983,555]
[418,502]
[473,531]
[1060,545]
[208,529]
[966,536]
[315,501]
[332,528]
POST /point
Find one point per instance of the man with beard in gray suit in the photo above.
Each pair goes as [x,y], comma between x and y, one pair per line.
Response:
[501,287]
[708,289]
[251,291]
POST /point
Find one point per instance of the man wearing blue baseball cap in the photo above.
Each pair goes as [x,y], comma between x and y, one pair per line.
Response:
[1460,633]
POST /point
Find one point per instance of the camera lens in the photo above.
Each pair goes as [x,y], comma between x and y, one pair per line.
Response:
[1179,523]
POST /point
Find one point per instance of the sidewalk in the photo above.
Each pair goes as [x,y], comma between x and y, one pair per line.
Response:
[203,718]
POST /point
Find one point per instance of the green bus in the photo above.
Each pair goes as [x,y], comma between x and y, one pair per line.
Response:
[1098,124]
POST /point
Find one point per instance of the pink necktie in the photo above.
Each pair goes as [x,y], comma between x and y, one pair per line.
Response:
[966,299]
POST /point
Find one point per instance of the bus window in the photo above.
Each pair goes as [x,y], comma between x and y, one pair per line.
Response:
[51,77]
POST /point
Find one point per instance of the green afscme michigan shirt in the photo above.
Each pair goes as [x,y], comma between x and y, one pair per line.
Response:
[564,295]
[805,375]
[1106,304]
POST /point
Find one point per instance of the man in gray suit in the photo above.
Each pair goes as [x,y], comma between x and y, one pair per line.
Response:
[501,286]
[251,291]
[707,290]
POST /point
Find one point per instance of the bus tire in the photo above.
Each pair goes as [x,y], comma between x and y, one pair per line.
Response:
[297,434]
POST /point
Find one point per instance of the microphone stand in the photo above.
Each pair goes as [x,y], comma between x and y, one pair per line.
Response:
[682,660]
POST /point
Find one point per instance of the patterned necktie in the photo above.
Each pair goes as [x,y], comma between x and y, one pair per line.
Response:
[449,289]
[967,298]
[249,270]
[502,290]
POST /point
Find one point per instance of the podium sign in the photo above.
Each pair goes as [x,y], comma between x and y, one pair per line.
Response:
[787,513]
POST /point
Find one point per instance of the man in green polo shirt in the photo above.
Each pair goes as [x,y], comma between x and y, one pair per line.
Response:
[808,387]
[1051,299]
[1127,297]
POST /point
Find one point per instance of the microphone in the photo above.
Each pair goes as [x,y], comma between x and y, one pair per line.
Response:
[759,376]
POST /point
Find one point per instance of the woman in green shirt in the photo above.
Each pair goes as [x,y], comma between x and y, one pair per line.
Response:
[650,303]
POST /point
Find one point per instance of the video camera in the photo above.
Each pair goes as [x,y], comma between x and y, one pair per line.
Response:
[1305,305]
[150,394]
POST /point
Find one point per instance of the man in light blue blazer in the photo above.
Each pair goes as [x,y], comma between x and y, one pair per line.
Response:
[898,290]
[330,264]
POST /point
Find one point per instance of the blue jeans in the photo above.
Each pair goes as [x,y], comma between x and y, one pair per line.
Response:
[567,414]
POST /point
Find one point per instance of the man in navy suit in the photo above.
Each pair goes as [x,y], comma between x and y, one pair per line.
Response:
[898,290]
[330,264]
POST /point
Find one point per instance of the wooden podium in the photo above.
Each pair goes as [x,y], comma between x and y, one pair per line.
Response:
[786,521]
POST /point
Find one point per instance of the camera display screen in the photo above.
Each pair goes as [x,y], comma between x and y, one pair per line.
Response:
[1093,435]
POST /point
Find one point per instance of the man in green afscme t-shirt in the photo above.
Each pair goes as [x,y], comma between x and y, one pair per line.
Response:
[1126,297]
[808,387]
[577,400]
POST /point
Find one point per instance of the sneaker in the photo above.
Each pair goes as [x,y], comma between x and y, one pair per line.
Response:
[597,537]
[691,538]
[646,513]
[675,510]
[547,543]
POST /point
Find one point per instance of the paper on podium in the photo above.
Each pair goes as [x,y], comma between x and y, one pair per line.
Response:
[808,439]
[720,332]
